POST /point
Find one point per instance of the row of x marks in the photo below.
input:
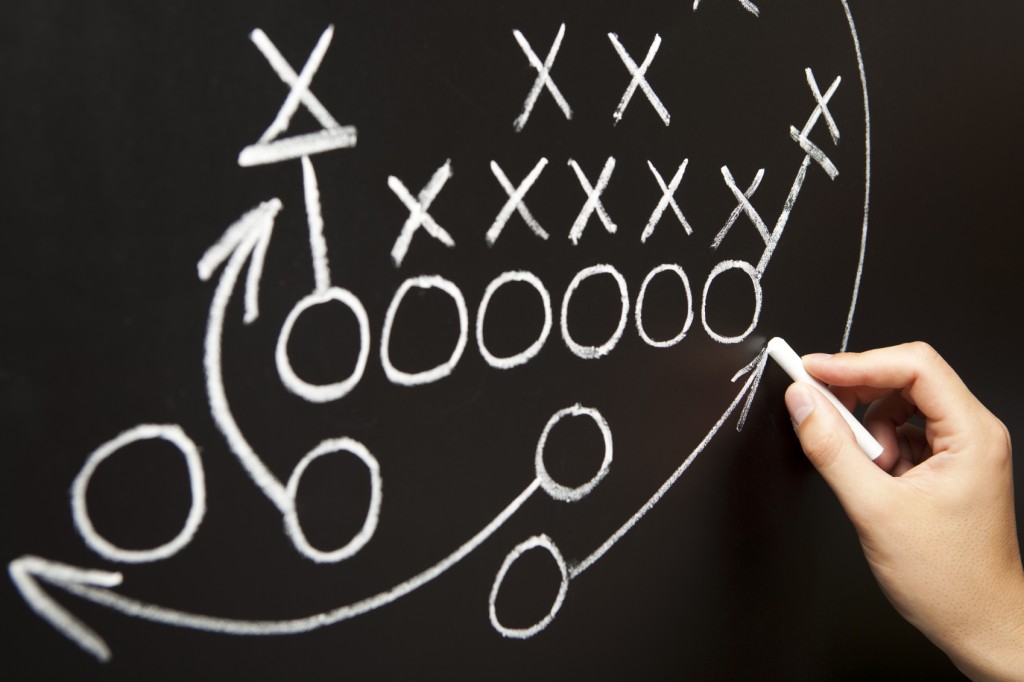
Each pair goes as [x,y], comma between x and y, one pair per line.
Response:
[420,218]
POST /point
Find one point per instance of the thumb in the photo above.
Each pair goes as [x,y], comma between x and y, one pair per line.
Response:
[829,444]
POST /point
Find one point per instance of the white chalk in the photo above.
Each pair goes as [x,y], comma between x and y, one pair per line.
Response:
[782,353]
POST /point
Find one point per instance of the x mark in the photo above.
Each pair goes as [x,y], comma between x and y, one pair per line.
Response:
[515,202]
[543,78]
[667,199]
[743,206]
[639,78]
[593,203]
[418,216]
[820,110]
[333,136]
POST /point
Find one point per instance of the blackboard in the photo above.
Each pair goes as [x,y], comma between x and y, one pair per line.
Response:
[321,354]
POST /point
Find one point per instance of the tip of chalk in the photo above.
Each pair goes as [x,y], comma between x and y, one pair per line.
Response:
[776,343]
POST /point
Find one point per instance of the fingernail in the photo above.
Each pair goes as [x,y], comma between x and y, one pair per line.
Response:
[818,356]
[799,402]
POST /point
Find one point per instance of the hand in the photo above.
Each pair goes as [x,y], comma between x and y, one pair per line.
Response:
[934,513]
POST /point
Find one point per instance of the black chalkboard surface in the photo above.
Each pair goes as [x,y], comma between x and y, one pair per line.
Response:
[405,340]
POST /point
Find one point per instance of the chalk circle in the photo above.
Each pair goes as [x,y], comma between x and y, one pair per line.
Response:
[322,393]
[755,280]
[197,486]
[593,352]
[526,355]
[667,267]
[442,370]
[535,542]
[291,516]
[552,487]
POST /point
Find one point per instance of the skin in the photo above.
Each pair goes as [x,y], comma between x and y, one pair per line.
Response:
[934,513]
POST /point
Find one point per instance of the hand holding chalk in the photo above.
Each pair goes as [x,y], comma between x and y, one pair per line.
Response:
[935,513]
[782,353]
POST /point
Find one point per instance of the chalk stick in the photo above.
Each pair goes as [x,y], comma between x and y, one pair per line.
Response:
[782,353]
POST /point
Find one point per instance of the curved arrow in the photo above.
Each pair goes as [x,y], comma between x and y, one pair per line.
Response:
[26,571]
[95,585]
[249,235]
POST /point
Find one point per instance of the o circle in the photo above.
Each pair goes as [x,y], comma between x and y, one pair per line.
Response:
[524,356]
[396,375]
[197,486]
[555,489]
[667,267]
[755,279]
[537,541]
[322,393]
[291,516]
[593,352]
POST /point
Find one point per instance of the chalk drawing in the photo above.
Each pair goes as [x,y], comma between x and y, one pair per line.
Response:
[639,79]
[197,488]
[667,199]
[418,216]
[552,487]
[747,5]
[445,368]
[240,241]
[594,352]
[543,79]
[593,203]
[531,351]
[743,206]
[535,542]
[314,217]
[245,243]
[322,393]
[667,267]
[755,281]
[750,386]
[270,149]
[515,202]
[291,516]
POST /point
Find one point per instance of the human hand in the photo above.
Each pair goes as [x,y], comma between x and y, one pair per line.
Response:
[934,513]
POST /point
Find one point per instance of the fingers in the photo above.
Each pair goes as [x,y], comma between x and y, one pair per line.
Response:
[921,376]
[829,443]
[883,420]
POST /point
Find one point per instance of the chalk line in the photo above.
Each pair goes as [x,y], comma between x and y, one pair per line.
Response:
[315,219]
[26,570]
[750,385]
[239,241]
[867,174]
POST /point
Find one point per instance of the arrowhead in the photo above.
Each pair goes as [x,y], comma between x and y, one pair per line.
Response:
[27,571]
[755,368]
[248,234]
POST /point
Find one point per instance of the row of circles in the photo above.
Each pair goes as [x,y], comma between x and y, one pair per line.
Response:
[320,393]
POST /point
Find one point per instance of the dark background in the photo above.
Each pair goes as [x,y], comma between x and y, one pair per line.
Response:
[121,127]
